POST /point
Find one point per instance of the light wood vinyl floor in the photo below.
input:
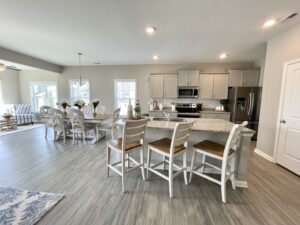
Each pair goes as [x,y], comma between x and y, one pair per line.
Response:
[30,162]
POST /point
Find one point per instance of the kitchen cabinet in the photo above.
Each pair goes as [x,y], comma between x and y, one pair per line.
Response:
[213,86]
[206,86]
[163,86]
[157,86]
[188,78]
[170,86]
[215,115]
[244,78]
[220,86]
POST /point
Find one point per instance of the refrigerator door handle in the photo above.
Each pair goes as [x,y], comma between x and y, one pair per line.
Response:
[249,104]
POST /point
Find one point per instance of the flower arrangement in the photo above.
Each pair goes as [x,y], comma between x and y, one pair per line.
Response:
[137,109]
[79,104]
[63,103]
[95,102]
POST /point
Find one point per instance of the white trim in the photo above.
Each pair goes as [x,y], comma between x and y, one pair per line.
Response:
[281,102]
[264,155]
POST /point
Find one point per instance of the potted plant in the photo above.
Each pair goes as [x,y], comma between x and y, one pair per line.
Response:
[137,109]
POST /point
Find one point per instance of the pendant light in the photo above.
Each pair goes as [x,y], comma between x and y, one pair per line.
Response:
[80,69]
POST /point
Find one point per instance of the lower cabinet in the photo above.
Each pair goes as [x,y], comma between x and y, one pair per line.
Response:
[215,115]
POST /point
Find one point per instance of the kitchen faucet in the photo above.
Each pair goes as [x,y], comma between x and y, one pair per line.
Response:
[167,115]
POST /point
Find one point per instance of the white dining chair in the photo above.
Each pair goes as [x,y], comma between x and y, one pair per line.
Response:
[46,118]
[132,140]
[60,125]
[225,153]
[171,148]
[78,126]
[110,126]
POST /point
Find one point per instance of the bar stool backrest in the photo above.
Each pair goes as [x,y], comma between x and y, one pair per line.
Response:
[180,135]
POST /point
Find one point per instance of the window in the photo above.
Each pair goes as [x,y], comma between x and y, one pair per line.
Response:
[124,90]
[78,92]
[43,93]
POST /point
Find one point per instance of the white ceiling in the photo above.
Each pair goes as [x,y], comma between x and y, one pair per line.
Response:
[113,31]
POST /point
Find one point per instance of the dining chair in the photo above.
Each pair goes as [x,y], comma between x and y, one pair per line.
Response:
[78,126]
[132,140]
[60,125]
[171,148]
[46,118]
[110,125]
[224,153]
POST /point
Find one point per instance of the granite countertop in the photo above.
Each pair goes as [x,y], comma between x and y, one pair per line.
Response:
[213,111]
[165,109]
[200,124]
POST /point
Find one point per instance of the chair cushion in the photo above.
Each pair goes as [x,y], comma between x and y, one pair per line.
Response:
[212,147]
[164,145]
[118,144]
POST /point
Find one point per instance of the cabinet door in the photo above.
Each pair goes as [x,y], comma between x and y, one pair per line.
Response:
[220,86]
[170,86]
[223,116]
[183,78]
[193,77]
[206,86]
[236,78]
[157,86]
[251,78]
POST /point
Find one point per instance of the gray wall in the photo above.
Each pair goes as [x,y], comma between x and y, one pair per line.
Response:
[10,86]
[280,49]
[101,78]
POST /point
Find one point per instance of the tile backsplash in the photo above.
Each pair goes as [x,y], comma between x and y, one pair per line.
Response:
[206,103]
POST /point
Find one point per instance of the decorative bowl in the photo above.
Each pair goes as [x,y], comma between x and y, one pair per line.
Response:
[6,116]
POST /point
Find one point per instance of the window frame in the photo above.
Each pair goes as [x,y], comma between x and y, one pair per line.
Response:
[40,83]
[78,80]
[124,80]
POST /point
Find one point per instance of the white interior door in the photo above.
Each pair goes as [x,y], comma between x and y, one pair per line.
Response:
[288,148]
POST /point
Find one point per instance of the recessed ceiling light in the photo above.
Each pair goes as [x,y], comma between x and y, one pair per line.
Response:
[150,30]
[223,56]
[269,23]
[155,57]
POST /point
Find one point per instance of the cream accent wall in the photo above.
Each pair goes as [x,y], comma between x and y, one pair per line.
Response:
[10,86]
[28,76]
[102,77]
[280,49]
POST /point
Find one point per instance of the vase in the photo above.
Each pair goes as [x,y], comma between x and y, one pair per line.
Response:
[129,110]
[94,113]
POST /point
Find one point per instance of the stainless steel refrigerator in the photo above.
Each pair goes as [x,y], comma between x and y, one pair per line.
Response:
[244,104]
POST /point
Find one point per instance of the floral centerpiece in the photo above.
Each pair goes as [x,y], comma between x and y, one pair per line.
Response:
[137,109]
[64,104]
[79,104]
[95,102]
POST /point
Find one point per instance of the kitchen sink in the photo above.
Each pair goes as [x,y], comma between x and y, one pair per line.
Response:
[171,119]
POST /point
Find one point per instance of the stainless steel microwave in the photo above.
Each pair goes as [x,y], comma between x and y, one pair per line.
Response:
[187,92]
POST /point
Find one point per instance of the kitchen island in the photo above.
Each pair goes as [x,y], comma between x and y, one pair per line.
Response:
[213,129]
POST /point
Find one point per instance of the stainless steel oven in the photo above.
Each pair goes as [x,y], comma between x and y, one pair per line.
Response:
[187,92]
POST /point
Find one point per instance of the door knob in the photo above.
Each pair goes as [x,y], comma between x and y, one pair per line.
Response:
[282,121]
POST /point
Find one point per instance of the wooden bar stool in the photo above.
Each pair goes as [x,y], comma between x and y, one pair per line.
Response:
[220,152]
[132,140]
[171,149]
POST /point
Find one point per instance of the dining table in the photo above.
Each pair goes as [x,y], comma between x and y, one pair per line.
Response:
[97,120]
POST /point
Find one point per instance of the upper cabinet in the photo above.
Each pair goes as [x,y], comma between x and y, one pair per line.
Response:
[188,78]
[213,86]
[163,86]
[244,78]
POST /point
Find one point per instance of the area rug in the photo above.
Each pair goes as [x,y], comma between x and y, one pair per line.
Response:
[22,207]
[21,128]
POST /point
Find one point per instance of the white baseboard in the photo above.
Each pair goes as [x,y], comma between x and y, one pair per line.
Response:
[264,155]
